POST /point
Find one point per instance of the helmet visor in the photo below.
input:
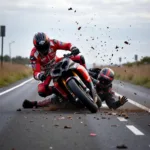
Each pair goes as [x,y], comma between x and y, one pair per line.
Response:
[105,81]
[43,49]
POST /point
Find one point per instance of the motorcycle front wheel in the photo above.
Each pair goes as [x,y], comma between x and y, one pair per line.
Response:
[81,94]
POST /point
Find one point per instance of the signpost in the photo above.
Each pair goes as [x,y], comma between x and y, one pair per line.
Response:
[2,34]
[120,59]
[136,58]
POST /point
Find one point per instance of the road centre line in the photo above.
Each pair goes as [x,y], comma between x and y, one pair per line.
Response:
[134,130]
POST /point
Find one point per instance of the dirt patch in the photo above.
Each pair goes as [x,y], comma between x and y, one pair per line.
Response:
[56,107]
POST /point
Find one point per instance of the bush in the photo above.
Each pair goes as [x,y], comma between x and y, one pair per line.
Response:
[145,60]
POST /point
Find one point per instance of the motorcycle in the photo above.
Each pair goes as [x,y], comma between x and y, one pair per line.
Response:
[73,82]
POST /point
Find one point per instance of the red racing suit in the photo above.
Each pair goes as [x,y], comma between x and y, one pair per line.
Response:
[44,63]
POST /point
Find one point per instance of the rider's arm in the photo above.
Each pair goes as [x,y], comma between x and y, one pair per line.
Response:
[36,67]
[96,70]
[62,45]
[96,82]
[112,100]
[92,73]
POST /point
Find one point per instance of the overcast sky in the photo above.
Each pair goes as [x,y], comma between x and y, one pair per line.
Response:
[104,24]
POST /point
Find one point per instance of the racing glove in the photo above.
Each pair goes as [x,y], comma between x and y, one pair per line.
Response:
[75,51]
[42,77]
[122,100]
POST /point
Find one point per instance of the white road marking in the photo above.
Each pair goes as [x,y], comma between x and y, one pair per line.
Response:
[2,93]
[134,130]
[136,104]
[104,106]
[122,119]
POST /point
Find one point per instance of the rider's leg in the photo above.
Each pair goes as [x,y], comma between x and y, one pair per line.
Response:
[43,90]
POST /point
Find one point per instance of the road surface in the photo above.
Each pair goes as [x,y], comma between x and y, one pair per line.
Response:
[41,129]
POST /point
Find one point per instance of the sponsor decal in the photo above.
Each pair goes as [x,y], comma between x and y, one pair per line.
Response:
[32,58]
[43,59]
[61,43]
[36,54]
[55,41]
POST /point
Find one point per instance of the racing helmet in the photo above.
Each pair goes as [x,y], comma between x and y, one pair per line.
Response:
[41,42]
[106,76]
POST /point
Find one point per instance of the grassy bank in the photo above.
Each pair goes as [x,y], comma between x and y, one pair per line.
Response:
[13,72]
[136,74]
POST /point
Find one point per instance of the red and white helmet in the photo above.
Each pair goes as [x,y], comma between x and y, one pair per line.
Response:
[41,42]
[106,76]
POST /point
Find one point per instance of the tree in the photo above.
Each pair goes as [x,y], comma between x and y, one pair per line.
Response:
[145,60]
[6,58]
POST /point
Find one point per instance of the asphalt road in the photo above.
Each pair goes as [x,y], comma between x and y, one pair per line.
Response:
[41,129]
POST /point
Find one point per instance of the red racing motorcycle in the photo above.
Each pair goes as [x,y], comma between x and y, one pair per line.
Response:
[73,82]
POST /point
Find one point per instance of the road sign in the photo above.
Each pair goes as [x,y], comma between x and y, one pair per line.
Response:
[136,57]
[2,31]
[2,34]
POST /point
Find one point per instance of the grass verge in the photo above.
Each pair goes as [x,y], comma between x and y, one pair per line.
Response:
[139,75]
[11,73]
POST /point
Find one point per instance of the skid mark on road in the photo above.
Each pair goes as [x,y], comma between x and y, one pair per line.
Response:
[136,104]
[134,130]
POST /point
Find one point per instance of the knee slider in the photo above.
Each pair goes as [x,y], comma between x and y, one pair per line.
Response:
[42,94]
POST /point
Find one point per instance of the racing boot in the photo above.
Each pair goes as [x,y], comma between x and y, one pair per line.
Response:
[29,104]
[36,104]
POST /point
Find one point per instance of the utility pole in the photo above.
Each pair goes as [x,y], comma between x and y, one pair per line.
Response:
[136,57]
[120,59]
[2,34]
[10,50]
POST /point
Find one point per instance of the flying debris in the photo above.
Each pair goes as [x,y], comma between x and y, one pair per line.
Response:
[127,43]
[77,22]
[70,8]
[67,127]
[116,47]
[79,28]
[121,146]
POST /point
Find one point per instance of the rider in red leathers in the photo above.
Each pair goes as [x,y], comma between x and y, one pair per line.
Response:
[42,58]
[102,79]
